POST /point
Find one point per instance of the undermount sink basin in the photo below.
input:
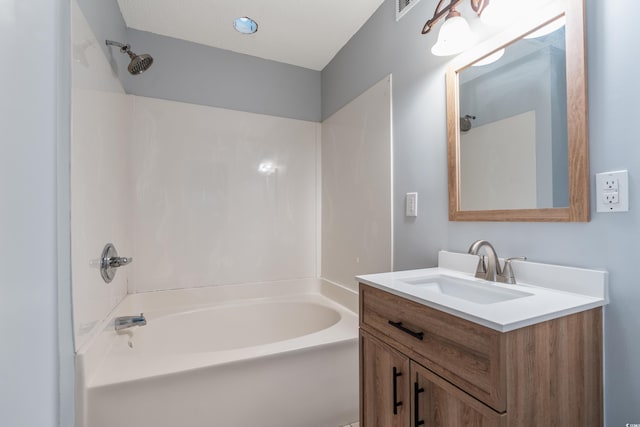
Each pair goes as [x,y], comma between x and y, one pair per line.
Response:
[468,290]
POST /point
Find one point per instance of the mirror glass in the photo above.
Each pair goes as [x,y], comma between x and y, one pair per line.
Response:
[517,122]
[513,127]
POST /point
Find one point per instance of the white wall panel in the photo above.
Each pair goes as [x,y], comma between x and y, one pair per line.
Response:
[356,187]
[203,212]
[100,178]
[498,165]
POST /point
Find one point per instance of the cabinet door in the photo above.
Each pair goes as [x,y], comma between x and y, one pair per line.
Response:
[384,385]
[438,403]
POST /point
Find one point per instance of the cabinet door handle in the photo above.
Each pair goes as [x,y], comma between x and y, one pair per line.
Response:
[418,335]
[396,374]
[416,401]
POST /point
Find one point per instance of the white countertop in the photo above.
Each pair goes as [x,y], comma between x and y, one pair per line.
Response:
[547,300]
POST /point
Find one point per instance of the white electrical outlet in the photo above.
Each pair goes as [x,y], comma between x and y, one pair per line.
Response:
[611,197]
[411,204]
[612,191]
[611,184]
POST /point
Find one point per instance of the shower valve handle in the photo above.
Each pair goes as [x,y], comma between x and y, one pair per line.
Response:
[109,261]
[119,261]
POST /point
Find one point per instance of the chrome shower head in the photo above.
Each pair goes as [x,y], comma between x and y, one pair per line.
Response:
[139,63]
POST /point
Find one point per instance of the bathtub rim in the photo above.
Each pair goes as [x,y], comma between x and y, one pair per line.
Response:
[344,369]
[92,355]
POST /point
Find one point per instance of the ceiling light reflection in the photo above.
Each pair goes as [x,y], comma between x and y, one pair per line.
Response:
[267,168]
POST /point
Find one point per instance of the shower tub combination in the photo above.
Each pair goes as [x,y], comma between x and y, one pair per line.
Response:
[278,354]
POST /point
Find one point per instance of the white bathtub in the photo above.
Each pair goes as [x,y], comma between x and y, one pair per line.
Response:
[278,354]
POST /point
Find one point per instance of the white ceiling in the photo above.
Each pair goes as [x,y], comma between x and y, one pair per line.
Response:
[307,33]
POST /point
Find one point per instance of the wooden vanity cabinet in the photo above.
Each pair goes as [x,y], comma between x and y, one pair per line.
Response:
[398,392]
[385,384]
[423,367]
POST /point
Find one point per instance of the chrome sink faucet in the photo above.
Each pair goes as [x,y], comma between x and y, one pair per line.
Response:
[492,270]
[125,322]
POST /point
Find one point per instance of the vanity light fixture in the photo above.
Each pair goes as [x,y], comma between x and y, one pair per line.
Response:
[455,35]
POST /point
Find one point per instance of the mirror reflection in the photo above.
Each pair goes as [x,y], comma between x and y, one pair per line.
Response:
[513,138]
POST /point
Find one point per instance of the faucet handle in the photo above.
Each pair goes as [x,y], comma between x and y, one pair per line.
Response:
[119,261]
[507,272]
[481,269]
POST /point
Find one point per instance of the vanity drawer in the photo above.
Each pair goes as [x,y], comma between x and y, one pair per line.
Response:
[462,352]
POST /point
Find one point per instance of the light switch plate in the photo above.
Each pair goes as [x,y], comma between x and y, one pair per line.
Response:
[612,191]
[411,204]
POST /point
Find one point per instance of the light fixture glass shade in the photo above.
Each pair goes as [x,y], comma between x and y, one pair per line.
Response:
[489,59]
[454,37]
[547,29]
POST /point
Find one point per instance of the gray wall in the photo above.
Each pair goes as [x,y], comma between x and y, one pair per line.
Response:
[609,241]
[36,356]
[107,24]
[198,74]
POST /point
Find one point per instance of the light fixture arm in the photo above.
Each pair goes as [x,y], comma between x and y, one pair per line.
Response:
[477,5]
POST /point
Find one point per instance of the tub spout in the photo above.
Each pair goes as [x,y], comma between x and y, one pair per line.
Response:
[125,322]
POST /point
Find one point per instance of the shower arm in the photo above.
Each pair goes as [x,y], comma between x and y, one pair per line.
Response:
[124,48]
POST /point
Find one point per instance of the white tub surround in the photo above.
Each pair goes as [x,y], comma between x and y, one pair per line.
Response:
[221,196]
[270,354]
[100,178]
[356,187]
[197,195]
[545,291]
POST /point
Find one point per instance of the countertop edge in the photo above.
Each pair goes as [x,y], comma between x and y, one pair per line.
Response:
[506,327]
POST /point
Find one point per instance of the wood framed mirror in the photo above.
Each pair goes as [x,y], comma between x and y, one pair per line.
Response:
[517,129]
